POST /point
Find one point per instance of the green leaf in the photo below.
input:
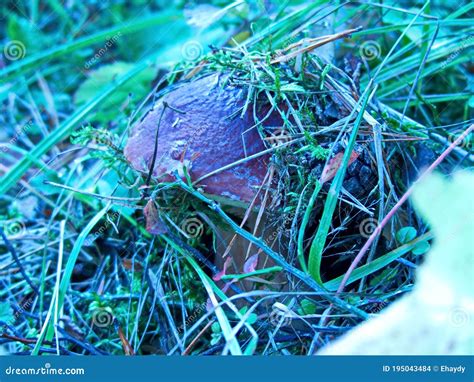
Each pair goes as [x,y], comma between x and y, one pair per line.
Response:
[216,328]
[406,234]
[292,88]
[307,307]
[252,318]
[215,338]
[98,79]
[421,248]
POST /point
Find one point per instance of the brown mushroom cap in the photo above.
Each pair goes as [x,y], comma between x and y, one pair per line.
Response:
[208,136]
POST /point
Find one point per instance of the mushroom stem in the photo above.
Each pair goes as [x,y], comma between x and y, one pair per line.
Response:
[278,259]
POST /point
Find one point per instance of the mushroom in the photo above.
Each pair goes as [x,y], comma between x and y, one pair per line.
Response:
[207,135]
[206,128]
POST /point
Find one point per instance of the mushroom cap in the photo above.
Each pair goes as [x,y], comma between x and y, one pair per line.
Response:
[209,134]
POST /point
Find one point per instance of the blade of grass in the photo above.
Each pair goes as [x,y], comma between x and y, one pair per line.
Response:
[319,241]
[431,98]
[59,268]
[216,290]
[392,28]
[285,25]
[29,63]
[381,262]
[71,262]
[410,63]
[258,272]
[304,223]
[458,12]
[231,340]
[398,82]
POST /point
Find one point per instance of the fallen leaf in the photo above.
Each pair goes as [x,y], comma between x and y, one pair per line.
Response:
[334,163]
[154,224]
[219,275]
[251,264]
[130,264]
[127,348]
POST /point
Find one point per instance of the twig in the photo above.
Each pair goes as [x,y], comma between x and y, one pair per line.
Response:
[93,194]
[11,249]
[313,44]
[84,345]
[155,149]
[199,335]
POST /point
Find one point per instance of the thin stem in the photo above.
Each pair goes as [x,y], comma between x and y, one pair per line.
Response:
[258,272]
[304,223]
[11,249]
[155,150]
